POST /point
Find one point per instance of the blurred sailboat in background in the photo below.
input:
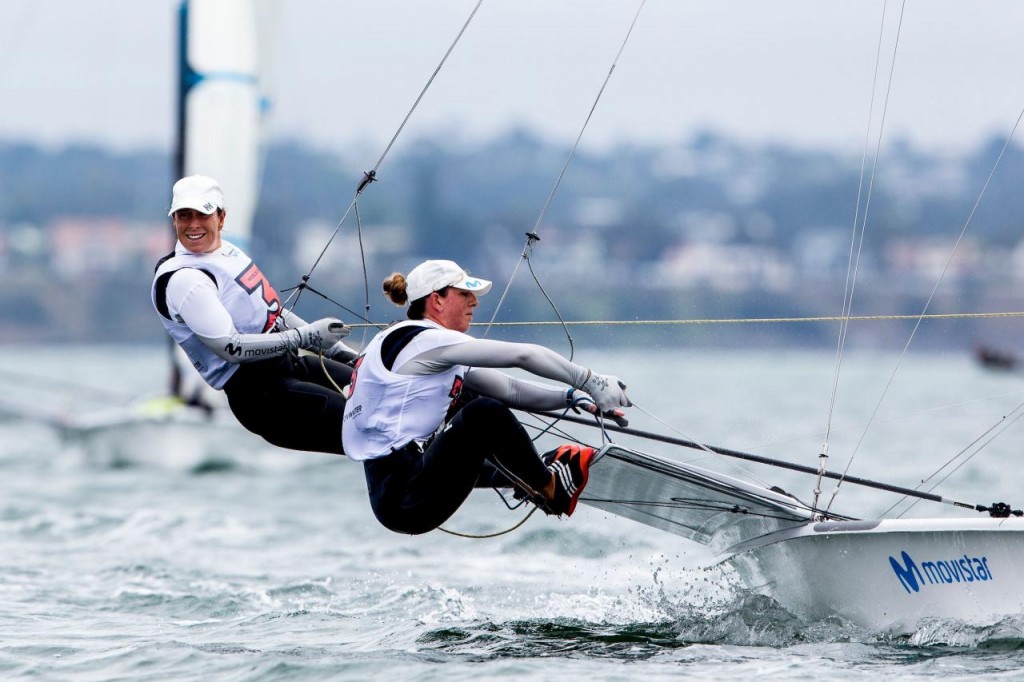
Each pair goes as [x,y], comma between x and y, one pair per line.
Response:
[222,103]
[224,47]
[995,358]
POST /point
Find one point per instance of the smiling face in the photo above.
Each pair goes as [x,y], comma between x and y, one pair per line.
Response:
[198,232]
[454,310]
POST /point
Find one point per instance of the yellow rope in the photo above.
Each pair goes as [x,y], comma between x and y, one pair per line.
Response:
[748,320]
[327,374]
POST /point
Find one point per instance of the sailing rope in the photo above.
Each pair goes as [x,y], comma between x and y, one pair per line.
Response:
[737,320]
[857,233]
[931,296]
[518,483]
[533,235]
[370,176]
[484,536]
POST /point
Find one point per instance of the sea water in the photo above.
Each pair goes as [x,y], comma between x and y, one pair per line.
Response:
[133,553]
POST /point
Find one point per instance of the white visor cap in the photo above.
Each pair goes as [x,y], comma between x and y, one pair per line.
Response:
[434,275]
[197,192]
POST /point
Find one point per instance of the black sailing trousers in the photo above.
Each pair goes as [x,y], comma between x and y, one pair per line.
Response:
[290,402]
[415,492]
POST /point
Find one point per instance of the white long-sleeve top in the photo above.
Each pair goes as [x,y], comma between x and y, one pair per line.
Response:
[222,311]
[390,406]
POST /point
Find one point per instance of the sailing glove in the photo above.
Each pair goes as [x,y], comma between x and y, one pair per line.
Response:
[578,400]
[322,334]
[608,392]
[341,352]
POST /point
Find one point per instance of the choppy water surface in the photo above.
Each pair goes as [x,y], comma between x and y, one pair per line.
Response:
[198,553]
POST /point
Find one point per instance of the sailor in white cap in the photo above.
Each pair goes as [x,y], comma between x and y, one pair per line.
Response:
[428,414]
[221,310]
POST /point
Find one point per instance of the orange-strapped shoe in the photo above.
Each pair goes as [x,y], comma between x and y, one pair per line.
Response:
[571,466]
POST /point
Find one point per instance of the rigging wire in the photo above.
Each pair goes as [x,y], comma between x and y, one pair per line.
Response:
[979,449]
[533,236]
[365,324]
[1005,422]
[718,452]
[553,428]
[366,278]
[370,176]
[690,443]
[703,447]
[931,296]
[783,464]
[550,425]
[857,235]
[893,418]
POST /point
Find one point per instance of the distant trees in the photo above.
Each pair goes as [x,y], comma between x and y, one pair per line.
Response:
[37,184]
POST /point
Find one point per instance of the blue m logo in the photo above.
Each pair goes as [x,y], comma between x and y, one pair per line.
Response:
[907,572]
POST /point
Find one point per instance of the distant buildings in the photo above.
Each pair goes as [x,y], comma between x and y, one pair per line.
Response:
[705,229]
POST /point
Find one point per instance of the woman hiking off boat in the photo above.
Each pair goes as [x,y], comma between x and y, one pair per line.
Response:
[423,453]
[219,307]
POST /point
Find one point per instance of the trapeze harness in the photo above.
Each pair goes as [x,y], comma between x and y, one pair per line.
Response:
[423,451]
[287,399]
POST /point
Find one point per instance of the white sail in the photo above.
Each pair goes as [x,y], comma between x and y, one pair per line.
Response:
[707,507]
[224,48]
[224,96]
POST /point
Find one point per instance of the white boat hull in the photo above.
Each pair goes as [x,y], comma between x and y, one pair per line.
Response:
[892,575]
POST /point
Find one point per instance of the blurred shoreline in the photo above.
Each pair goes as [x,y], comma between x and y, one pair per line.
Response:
[705,229]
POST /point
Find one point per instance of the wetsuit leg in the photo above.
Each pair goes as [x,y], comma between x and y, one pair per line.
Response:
[290,402]
[416,492]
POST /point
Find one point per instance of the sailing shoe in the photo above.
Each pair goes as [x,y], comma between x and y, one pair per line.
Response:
[570,465]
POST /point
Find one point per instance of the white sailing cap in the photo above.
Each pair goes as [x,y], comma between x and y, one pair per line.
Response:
[197,192]
[434,275]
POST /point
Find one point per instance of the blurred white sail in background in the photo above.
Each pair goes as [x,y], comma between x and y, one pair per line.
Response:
[224,52]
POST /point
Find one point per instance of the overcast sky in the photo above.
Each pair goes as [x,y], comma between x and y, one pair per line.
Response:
[346,71]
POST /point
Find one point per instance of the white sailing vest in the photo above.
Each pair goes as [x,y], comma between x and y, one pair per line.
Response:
[244,291]
[385,410]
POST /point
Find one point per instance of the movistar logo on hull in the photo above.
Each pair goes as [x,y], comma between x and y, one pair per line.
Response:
[914,576]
